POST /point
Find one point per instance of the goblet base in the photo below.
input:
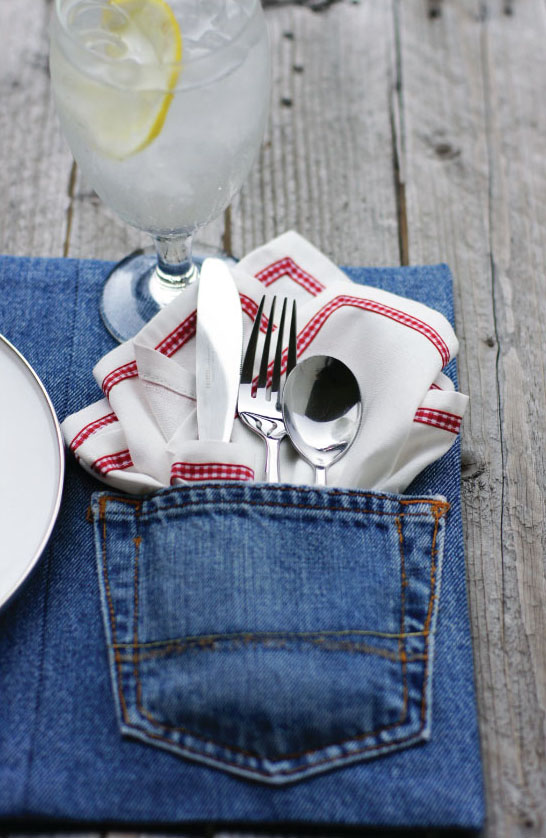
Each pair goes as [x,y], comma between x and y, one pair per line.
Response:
[133,293]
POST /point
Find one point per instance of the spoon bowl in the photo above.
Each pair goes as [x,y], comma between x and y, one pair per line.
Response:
[322,409]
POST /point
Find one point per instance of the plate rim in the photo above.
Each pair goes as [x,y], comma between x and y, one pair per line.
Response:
[4,599]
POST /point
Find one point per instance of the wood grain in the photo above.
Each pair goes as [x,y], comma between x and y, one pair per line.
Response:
[36,162]
[474,139]
[326,165]
[400,131]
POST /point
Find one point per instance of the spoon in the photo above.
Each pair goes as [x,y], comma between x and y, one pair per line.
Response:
[322,408]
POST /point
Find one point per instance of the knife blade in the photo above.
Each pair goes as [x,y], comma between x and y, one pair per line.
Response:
[219,342]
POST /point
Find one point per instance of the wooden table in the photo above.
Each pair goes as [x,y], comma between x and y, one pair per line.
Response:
[401,132]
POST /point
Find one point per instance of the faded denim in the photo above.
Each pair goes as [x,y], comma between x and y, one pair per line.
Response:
[268,682]
[274,632]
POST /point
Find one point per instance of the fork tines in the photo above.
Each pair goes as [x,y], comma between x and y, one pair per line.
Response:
[264,378]
[260,399]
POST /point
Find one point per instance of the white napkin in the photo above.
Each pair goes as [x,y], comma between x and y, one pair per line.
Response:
[143,434]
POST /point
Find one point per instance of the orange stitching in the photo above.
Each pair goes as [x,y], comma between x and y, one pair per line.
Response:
[340,492]
[209,638]
[137,542]
[147,715]
[271,643]
[298,768]
[403,586]
[433,553]
[428,619]
[438,509]
[137,504]
[111,611]
[434,504]
[276,505]
[229,747]
[360,649]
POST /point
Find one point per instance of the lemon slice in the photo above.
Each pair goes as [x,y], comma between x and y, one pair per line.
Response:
[124,108]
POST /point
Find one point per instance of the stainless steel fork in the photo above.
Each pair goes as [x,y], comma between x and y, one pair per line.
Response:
[259,405]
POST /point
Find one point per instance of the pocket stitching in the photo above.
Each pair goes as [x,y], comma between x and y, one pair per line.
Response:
[438,509]
[147,716]
[205,643]
[403,584]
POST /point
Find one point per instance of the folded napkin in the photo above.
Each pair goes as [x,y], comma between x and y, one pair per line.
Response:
[143,434]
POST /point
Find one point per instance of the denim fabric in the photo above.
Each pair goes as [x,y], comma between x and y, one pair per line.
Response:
[62,752]
[272,631]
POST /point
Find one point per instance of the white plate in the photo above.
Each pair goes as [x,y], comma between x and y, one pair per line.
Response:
[31,469]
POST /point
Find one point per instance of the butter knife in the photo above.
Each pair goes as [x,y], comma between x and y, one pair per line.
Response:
[219,341]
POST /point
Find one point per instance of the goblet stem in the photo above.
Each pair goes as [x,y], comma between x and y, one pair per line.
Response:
[175,268]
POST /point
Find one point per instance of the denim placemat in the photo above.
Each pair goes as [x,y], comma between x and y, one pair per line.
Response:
[61,755]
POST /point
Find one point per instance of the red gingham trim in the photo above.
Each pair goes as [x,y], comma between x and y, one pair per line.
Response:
[113,462]
[313,327]
[179,336]
[174,341]
[119,374]
[439,419]
[90,429]
[287,267]
[311,330]
[211,471]
[249,306]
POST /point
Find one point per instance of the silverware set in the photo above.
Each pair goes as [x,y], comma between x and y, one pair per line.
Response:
[315,402]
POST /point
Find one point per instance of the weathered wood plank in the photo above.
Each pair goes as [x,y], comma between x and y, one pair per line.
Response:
[35,173]
[515,73]
[472,99]
[326,165]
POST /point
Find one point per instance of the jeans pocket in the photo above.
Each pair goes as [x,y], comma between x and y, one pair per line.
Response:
[272,631]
